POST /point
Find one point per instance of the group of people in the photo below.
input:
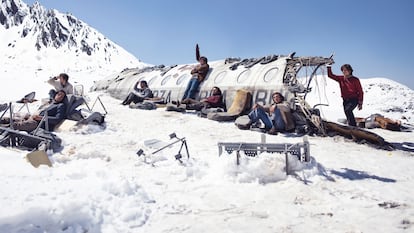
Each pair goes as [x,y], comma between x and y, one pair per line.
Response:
[55,109]
[142,92]
[277,116]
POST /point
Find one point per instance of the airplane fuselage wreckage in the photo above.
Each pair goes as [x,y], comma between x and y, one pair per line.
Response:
[260,76]
[288,74]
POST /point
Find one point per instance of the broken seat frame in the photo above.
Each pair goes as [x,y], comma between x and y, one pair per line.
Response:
[301,150]
[16,138]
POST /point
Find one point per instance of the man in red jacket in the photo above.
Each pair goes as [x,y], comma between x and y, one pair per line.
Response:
[215,100]
[351,91]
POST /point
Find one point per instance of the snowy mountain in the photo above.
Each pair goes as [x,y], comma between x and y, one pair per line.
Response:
[37,38]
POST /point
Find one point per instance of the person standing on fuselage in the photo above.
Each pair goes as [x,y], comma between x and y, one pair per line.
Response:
[199,74]
[351,91]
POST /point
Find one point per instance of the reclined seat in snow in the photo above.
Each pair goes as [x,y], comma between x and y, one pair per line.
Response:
[76,116]
[47,116]
[41,138]
[240,106]
[38,139]
[27,99]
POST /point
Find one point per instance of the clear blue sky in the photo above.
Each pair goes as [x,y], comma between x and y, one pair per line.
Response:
[375,36]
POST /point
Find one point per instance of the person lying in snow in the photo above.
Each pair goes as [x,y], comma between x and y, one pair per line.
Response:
[379,121]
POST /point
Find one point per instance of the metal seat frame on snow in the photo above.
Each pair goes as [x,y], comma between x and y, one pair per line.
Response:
[16,138]
[301,150]
[79,92]
[26,100]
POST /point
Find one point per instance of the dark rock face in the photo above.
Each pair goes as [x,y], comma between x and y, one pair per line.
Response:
[10,13]
[46,26]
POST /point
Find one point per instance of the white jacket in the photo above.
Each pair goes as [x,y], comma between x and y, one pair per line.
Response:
[68,88]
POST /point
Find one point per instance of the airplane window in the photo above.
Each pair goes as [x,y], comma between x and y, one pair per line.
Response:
[152,80]
[182,78]
[165,80]
[271,74]
[220,77]
[243,76]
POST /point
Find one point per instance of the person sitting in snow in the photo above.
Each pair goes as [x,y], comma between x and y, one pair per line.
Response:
[276,117]
[56,112]
[60,82]
[199,74]
[215,100]
[139,94]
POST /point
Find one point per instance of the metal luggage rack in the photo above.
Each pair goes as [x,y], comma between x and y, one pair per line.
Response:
[301,150]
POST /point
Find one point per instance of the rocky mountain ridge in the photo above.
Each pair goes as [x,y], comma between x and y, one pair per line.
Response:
[35,35]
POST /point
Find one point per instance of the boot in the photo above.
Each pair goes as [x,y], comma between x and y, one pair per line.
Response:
[272,131]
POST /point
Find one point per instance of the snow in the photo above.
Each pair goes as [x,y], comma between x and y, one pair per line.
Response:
[99,184]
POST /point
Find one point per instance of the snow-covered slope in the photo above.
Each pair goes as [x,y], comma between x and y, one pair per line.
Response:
[98,184]
[38,39]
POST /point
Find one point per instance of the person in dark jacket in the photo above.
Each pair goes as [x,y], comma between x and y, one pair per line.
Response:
[199,74]
[351,91]
[215,100]
[56,112]
[139,94]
